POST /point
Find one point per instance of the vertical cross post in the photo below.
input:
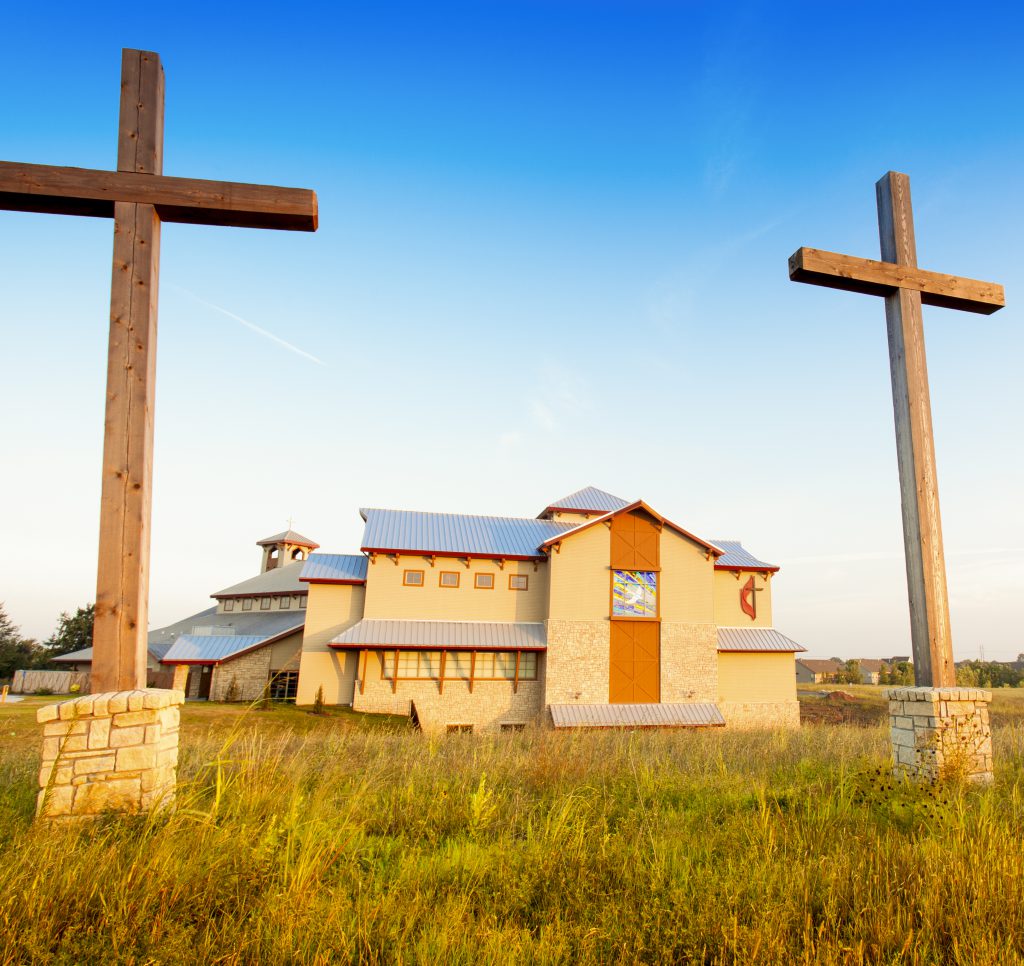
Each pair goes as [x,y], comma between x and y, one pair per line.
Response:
[122,583]
[915,445]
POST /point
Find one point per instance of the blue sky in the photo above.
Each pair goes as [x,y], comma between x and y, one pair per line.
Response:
[552,253]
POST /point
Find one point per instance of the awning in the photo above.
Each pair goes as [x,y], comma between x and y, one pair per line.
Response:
[210,648]
[689,715]
[444,635]
[763,639]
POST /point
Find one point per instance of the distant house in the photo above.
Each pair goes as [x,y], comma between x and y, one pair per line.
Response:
[871,668]
[82,660]
[815,672]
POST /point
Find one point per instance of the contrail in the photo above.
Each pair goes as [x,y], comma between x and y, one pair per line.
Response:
[250,325]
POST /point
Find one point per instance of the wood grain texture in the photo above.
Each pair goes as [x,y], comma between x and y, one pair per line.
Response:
[122,581]
[922,527]
[852,274]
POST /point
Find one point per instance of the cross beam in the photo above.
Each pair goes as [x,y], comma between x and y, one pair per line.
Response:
[905,288]
[138,197]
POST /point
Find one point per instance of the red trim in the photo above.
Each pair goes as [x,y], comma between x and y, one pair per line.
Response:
[747,568]
[192,663]
[537,648]
[330,580]
[288,543]
[455,554]
[569,509]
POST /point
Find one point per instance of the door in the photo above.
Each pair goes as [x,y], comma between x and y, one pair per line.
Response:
[634,672]
[205,677]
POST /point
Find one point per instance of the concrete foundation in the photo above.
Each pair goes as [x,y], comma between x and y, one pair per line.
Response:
[941,733]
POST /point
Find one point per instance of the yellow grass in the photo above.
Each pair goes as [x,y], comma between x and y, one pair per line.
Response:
[324,840]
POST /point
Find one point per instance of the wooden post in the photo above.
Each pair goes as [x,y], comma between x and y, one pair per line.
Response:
[362,677]
[394,677]
[472,670]
[515,684]
[915,446]
[122,585]
[440,682]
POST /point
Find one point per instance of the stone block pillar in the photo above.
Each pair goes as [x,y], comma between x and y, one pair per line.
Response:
[116,751]
[941,732]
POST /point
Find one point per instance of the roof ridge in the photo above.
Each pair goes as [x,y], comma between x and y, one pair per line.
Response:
[471,516]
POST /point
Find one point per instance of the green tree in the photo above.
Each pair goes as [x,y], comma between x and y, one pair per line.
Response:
[16,653]
[74,632]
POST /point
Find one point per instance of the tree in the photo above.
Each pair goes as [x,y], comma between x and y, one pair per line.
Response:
[16,653]
[849,673]
[73,632]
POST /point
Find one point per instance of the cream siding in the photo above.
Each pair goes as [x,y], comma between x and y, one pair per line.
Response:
[580,578]
[332,609]
[728,612]
[686,581]
[756,677]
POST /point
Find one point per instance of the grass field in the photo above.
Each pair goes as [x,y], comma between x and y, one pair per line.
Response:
[300,839]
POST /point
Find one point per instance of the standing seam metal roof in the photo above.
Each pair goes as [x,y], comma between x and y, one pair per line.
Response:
[412,531]
[280,580]
[755,639]
[589,498]
[210,648]
[334,567]
[736,556]
[443,634]
[689,715]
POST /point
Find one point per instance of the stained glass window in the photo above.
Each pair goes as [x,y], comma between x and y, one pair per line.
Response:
[634,593]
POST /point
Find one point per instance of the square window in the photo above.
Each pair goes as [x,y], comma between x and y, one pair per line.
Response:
[302,602]
[634,593]
[284,685]
[430,664]
[265,603]
[483,581]
[229,604]
[448,578]
[518,582]
[413,578]
[457,665]
[247,604]
[408,664]
[286,602]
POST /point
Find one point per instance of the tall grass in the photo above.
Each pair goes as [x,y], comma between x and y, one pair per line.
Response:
[293,845]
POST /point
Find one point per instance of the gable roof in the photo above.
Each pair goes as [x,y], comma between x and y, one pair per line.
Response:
[736,557]
[588,500]
[288,536]
[456,534]
[280,580]
[638,505]
[819,667]
[334,568]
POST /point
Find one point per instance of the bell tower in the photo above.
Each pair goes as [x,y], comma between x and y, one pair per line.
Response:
[284,548]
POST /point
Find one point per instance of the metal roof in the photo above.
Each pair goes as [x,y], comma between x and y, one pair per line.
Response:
[589,498]
[410,531]
[84,655]
[209,648]
[819,667]
[334,568]
[690,715]
[735,557]
[755,639]
[287,536]
[455,635]
[280,580]
[210,623]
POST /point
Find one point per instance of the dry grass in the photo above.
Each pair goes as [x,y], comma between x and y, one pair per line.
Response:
[309,840]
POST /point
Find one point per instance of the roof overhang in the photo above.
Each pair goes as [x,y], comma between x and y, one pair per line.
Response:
[745,568]
[273,639]
[453,554]
[299,591]
[332,580]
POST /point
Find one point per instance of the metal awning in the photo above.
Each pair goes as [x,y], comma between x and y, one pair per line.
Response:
[444,635]
[689,715]
[762,639]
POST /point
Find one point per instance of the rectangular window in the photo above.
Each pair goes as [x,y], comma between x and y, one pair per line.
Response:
[460,729]
[284,685]
[265,603]
[448,578]
[412,665]
[286,602]
[634,593]
[457,665]
[518,582]
[510,726]
[302,602]
[485,664]
[490,665]
[413,578]
[528,666]
[229,604]
[483,581]
[247,603]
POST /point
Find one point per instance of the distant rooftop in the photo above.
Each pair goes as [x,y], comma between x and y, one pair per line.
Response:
[280,580]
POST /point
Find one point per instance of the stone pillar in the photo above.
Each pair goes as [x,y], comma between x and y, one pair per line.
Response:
[941,732]
[116,751]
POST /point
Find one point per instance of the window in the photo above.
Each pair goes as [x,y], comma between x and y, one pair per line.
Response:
[286,602]
[457,665]
[448,578]
[302,602]
[513,726]
[413,578]
[490,665]
[229,604]
[518,582]
[298,555]
[634,593]
[412,664]
[460,729]
[247,604]
[265,603]
[284,685]
[483,581]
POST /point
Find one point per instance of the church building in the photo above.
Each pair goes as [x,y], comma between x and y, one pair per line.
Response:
[599,612]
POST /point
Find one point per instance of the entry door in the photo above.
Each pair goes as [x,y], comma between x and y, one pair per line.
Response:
[634,676]
[206,677]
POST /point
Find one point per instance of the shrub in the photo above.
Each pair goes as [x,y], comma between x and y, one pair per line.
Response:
[318,701]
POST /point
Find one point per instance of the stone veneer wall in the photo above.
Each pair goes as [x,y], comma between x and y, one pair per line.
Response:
[115,751]
[576,665]
[250,671]
[763,714]
[491,704]
[939,732]
[689,662]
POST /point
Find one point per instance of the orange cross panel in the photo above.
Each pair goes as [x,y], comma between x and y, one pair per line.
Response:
[634,676]
[635,542]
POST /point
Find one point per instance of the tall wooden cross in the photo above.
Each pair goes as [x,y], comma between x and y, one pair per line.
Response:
[905,287]
[138,197]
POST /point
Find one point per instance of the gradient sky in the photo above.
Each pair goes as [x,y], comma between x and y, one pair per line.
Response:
[552,253]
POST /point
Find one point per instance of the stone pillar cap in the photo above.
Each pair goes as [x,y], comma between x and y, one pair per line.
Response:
[939,694]
[110,702]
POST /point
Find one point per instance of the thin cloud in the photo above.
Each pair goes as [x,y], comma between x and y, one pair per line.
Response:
[251,325]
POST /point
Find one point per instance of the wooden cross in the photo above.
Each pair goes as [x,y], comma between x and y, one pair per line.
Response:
[138,197]
[905,288]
